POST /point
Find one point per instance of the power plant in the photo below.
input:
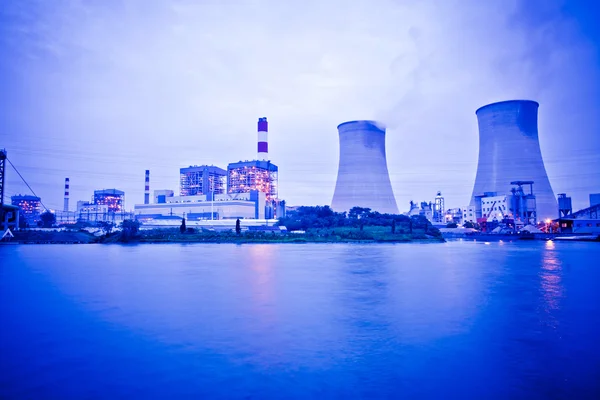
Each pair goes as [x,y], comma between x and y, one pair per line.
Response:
[509,151]
[363,178]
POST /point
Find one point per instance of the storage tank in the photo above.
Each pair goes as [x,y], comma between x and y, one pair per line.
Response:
[509,150]
[363,178]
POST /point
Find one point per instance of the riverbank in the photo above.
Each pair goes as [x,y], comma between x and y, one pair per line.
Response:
[340,235]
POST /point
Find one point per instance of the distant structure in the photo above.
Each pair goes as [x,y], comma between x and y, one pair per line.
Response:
[263,139]
[363,178]
[161,196]
[66,205]
[147,187]
[245,176]
[201,180]
[594,199]
[438,209]
[30,208]
[113,199]
[565,206]
[509,150]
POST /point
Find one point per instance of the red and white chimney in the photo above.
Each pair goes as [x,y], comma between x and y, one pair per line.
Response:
[263,139]
[147,188]
[66,205]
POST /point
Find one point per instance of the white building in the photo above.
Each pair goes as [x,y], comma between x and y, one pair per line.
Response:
[224,206]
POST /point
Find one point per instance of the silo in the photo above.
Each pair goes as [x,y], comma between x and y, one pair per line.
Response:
[363,178]
[509,150]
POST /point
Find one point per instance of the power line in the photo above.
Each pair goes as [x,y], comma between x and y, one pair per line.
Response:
[21,176]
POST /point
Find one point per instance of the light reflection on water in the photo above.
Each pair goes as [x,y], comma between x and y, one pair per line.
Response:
[455,320]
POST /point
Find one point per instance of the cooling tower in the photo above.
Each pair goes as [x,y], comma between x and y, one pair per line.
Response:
[509,150]
[363,178]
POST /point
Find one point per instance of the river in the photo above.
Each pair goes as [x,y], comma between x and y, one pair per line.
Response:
[452,320]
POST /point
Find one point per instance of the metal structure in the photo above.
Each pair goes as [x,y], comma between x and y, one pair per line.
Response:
[147,187]
[66,205]
[263,139]
[509,150]
[244,176]
[523,206]
[564,205]
[3,157]
[363,178]
[114,199]
[202,180]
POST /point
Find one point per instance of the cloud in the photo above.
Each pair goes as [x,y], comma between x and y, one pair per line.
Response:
[113,88]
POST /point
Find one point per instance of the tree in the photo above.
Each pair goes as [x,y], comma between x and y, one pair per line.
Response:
[393,226]
[238,227]
[129,229]
[48,219]
[469,224]
[451,225]
[182,228]
[106,226]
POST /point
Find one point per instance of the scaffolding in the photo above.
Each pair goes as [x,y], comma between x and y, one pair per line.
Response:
[202,180]
[245,176]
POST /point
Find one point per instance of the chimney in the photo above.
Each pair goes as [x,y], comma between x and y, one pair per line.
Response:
[66,206]
[263,142]
[147,188]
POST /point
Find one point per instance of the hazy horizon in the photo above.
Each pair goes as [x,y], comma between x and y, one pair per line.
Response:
[101,91]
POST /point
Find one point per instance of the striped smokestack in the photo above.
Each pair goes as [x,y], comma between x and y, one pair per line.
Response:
[66,206]
[263,142]
[147,188]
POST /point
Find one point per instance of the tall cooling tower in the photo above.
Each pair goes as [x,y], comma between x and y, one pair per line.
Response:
[363,178]
[509,150]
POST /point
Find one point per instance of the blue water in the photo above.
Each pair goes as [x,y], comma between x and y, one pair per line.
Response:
[454,320]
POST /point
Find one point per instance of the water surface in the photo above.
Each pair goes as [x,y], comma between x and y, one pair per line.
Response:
[452,320]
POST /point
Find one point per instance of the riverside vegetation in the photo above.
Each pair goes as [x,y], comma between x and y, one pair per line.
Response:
[319,224]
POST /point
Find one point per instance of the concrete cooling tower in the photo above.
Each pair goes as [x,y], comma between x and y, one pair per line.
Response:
[363,178]
[509,150]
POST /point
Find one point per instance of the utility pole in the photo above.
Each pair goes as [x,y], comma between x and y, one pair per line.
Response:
[2,181]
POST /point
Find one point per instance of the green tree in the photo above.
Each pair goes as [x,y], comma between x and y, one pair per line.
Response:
[182,228]
[106,227]
[451,225]
[238,227]
[129,229]
[393,226]
[48,219]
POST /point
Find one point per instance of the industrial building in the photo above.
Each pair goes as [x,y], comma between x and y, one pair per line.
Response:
[161,196]
[509,150]
[251,205]
[114,199]
[516,209]
[585,221]
[202,180]
[245,176]
[246,190]
[363,178]
[30,208]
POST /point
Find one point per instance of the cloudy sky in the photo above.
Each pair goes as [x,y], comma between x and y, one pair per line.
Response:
[100,90]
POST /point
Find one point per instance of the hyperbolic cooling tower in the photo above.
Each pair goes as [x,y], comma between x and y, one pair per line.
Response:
[509,150]
[363,178]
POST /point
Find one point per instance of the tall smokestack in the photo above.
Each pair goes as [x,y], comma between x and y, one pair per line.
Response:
[363,178]
[147,188]
[509,150]
[263,140]
[66,206]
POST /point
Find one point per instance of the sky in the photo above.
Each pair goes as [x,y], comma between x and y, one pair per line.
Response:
[101,90]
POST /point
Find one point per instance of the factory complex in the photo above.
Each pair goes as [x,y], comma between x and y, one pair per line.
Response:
[511,191]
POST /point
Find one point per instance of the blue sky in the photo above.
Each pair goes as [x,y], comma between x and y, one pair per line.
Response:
[99,91]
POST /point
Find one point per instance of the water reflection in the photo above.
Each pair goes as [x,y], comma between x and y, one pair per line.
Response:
[551,280]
